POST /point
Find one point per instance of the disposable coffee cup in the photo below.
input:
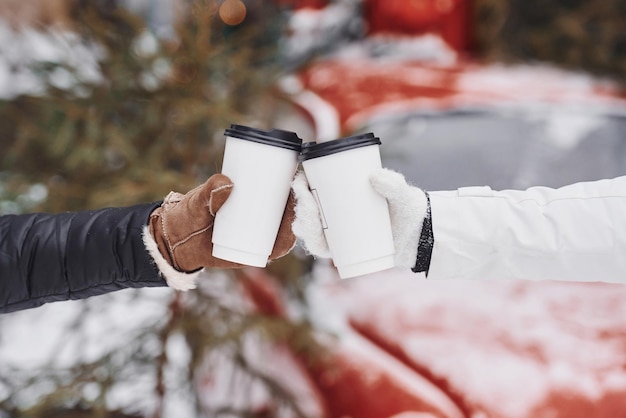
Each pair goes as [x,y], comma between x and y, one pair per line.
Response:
[354,217]
[261,164]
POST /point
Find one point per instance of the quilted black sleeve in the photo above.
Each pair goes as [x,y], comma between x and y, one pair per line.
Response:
[53,257]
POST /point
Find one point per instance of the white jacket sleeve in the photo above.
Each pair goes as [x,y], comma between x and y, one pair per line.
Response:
[575,233]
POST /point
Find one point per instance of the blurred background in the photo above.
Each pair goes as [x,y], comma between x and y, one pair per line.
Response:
[112,103]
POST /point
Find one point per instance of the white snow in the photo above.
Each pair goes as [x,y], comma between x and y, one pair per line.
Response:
[504,345]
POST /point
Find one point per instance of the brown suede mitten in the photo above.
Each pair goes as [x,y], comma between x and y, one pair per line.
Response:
[182,229]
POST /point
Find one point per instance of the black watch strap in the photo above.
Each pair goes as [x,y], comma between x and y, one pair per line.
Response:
[426,242]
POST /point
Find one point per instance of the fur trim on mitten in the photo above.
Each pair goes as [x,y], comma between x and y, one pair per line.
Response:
[174,278]
[307,225]
[407,209]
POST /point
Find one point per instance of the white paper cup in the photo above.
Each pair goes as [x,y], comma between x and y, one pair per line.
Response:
[355,218]
[261,164]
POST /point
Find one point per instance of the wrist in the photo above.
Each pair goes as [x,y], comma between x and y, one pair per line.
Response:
[174,278]
[408,210]
[426,242]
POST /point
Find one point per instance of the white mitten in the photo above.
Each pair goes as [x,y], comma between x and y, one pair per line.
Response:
[307,225]
[408,209]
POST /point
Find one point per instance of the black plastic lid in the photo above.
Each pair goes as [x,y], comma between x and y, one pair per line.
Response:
[314,150]
[275,137]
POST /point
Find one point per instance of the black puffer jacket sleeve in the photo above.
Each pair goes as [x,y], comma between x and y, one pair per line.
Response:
[52,257]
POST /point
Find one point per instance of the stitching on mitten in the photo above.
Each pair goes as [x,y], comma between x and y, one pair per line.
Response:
[211,196]
[167,240]
[175,279]
[171,199]
[191,236]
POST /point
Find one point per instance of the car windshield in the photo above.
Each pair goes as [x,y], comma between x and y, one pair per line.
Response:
[505,149]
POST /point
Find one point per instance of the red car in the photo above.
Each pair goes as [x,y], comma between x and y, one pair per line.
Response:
[409,347]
